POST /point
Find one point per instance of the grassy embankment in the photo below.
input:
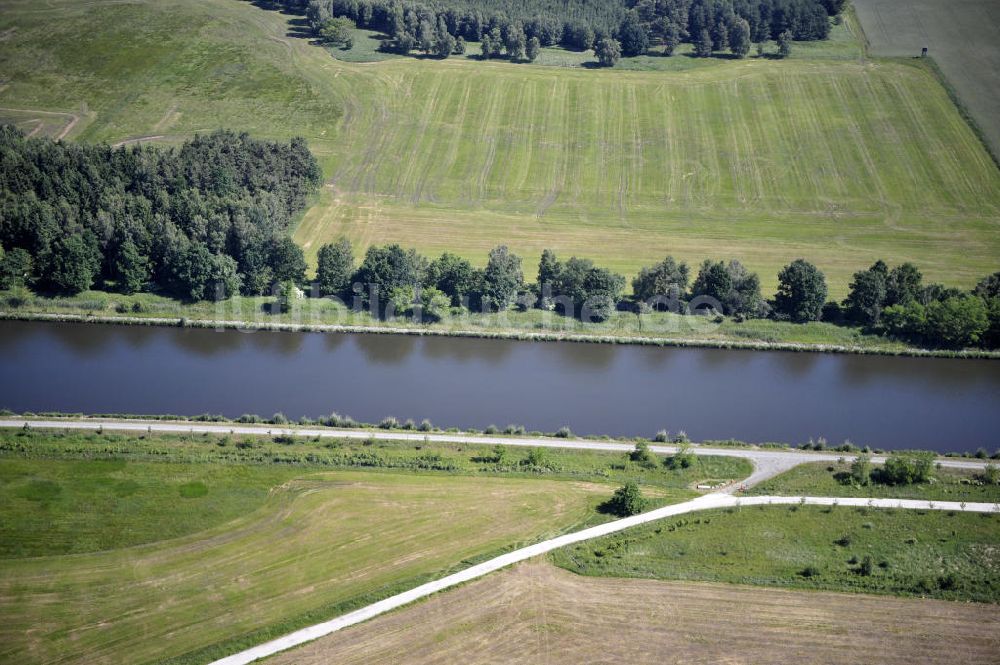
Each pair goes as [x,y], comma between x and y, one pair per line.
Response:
[187,547]
[892,551]
[827,155]
[924,553]
[825,479]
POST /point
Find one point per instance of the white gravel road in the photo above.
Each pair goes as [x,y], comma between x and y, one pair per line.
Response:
[706,502]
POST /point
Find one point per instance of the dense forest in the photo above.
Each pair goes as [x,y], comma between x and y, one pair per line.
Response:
[205,220]
[516,28]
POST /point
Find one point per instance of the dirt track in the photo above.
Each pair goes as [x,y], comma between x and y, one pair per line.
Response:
[536,613]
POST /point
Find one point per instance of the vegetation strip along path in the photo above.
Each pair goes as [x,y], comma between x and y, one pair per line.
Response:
[766,463]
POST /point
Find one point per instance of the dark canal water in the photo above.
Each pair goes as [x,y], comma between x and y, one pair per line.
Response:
[942,404]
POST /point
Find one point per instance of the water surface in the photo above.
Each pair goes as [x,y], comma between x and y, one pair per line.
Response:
[889,402]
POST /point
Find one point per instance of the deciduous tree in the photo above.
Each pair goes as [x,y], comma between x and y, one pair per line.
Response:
[608,51]
[335,266]
[503,277]
[533,49]
[739,38]
[801,292]
[785,44]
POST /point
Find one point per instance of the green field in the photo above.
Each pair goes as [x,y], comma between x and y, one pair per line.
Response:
[315,545]
[827,156]
[840,162]
[118,548]
[824,479]
[72,507]
[923,553]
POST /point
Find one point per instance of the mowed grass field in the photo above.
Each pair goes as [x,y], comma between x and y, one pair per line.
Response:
[840,161]
[318,543]
[960,37]
[146,548]
[536,613]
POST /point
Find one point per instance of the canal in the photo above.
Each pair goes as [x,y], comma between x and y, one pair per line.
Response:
[889,402]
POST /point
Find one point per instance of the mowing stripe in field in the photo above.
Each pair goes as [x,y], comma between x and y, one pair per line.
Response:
[706,502]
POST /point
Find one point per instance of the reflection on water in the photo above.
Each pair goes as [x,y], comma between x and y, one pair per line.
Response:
[596,389]
[385,349]
[464,349]
[583,357]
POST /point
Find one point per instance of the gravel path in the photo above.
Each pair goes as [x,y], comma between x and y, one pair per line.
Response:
[706,502]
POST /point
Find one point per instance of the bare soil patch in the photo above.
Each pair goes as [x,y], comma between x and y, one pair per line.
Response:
[536,613]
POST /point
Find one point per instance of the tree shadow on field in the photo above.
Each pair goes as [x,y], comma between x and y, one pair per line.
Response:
[298,27]
[714,56]
[272,7]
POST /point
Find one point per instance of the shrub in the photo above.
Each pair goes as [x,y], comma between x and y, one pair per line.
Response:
[279,419]
[947,582]
[861,469]
[627,500]
[18,298]
[249,418]
[336,420]
[809,571]
[642,455]
[662,436]
[682,459]
[907,469]
[564,432]
[536,457]
[491,429]
[425,426]
[389,423]
[991,474]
